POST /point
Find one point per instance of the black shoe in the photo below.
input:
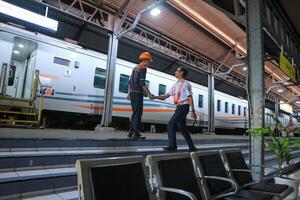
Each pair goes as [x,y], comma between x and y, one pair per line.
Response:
[129,135]
[193,149]
[170,148]
[138,137]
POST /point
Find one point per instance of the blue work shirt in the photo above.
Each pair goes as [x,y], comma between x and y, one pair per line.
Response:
[137,79]
[186,91]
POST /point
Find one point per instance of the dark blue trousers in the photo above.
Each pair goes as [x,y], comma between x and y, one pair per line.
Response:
[178,120]
[137,101]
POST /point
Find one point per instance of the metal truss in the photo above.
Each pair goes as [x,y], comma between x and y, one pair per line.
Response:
[145,36]
[271,96]
[101,15]
[87,10]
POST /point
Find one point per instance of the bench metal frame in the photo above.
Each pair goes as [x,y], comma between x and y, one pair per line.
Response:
[155,176]
[202,178]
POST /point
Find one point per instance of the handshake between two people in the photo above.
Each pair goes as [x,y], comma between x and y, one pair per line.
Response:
[152,96]
[163,97]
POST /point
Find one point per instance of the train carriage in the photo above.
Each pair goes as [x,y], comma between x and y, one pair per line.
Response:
[74,81]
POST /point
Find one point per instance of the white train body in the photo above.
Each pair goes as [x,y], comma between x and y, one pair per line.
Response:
[68,72]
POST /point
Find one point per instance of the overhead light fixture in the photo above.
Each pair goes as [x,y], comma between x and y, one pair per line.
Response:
[28,16]
[280,90]
[155,11]
[16,52]
[297,101]
[21,45]
[245,68]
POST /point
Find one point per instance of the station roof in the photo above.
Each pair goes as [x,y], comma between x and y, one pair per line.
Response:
[291,8]
[199,27]
[210,32]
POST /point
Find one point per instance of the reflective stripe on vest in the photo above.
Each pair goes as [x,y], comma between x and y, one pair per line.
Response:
[176,99]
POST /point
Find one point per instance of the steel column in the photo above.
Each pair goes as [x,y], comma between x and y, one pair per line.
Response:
[237,8]
[256,81]
[277,108]
[109,82]
[277,111]
[211,99]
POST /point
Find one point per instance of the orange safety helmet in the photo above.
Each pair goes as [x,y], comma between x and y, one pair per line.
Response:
[146,56]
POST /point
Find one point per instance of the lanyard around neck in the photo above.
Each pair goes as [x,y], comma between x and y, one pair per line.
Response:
[178,94]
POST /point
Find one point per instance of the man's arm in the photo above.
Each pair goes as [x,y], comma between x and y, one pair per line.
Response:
[162,97]
[165,96]
[128,95]
[191,103]
[143,83]
[147,90]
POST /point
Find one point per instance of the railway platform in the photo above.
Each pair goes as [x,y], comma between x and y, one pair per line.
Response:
[40,163]
[20,133]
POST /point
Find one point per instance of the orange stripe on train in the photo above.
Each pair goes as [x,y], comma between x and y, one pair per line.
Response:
[150,111]
[125,109]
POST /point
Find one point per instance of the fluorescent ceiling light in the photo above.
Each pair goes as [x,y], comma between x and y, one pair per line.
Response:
[16,52]
[155,11]
[280,90]
[297,101]
[245,68]
[28,16]
[21,45]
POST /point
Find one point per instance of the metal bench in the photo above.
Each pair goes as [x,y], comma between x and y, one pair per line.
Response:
[240,172]
[215,180]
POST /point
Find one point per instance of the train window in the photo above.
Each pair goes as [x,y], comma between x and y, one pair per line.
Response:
[123,84]
[239,110]
[200,101]
[226,107]
[233,109]
[99,78]
[148,85]
[218,105]
[61,61]
[245,111]
[161,89]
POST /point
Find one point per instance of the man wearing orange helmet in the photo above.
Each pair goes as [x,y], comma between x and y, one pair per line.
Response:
[136,87]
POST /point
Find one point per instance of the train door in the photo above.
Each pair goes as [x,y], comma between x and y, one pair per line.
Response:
[6,48]
[21,68]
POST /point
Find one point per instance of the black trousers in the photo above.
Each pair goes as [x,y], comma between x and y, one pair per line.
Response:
[137,102]
[179,120]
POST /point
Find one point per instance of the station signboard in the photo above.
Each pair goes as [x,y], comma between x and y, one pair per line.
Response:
[287,67]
